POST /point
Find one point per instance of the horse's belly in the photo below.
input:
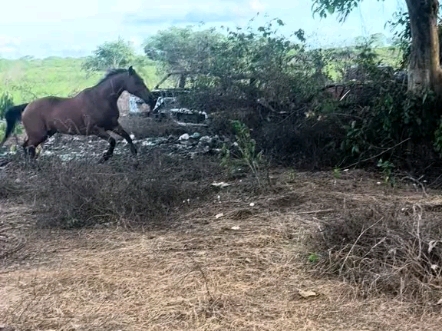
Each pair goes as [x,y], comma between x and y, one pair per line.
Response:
[71,126]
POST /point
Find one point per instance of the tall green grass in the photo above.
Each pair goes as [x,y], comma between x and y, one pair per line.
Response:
[27,79]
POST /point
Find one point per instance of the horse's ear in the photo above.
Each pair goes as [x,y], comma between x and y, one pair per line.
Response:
[131,70]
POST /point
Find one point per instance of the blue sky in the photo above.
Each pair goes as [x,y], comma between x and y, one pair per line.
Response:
[75,28]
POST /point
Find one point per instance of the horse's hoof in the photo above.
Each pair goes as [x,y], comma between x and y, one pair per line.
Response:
[104,158]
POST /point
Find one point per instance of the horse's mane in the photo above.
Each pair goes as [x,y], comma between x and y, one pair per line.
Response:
[110,74]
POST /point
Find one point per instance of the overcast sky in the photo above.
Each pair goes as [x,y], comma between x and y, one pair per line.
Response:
[44,28]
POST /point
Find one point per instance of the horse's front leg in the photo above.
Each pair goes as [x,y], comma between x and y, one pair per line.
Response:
[121,132]
[100,132]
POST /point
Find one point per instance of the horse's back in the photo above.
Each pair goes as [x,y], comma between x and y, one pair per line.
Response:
[41,108]
[54,114]
[44,104]
[49,101]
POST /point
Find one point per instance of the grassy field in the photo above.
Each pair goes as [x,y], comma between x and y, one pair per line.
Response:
[27,78]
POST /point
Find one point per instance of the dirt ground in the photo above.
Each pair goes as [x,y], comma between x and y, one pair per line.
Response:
[234,264]
[237,262]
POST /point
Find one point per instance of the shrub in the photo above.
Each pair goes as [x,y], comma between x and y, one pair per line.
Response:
[78,194]
[384,249]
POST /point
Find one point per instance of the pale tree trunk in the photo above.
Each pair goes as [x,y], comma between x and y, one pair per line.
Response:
[424,66]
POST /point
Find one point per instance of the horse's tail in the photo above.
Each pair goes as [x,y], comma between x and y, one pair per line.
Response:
[12,116]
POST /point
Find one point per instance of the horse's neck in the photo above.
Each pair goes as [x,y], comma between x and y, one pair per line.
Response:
[112,88]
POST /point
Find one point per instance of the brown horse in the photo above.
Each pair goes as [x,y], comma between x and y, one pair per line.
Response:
[93,111]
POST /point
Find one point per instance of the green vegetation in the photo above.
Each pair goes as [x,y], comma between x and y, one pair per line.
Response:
[245,148]
[28,78]
[229,71]
[174,49]
[268,82]
[119,54]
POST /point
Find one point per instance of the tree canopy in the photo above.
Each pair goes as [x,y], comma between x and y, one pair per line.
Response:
[110,55]
[329,7]
[183,49]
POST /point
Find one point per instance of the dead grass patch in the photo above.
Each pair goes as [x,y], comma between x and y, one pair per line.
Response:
[383,247]
[8,188]
[244,270]
[208,277]
[81,193]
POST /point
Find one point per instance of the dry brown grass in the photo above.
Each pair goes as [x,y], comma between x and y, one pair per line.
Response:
[8,187]
[241,271]
[82,193]
[384,245]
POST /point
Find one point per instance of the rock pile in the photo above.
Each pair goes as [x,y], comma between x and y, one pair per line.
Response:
[79,147]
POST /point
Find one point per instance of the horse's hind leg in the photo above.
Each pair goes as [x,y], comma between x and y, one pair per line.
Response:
[30,154]
[30,147]
[120,131]
[25,145]
[100,132]
[29,150]
[31,143]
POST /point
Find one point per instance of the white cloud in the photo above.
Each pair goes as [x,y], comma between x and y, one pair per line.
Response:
[6,50]
[126,6]
[153,12]
[7,40]
[257,5]
[9,45]
[44,11]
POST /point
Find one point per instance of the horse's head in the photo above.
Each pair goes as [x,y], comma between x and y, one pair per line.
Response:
[136,86]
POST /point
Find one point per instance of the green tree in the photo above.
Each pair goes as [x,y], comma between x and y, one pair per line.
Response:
[111,55]
[247,64]
[377,40]
[183,49]
[424,70]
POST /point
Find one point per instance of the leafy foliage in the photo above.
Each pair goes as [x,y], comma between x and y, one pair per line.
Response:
[402,32]
[183,49]
[245,154]
[386,116]
[110,55]
[118,54]
[270,82]
[329,7]
[241,64]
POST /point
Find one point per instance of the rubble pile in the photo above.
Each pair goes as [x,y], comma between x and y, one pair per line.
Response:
[80,147]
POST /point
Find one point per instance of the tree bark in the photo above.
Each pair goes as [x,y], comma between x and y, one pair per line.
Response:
[424,66]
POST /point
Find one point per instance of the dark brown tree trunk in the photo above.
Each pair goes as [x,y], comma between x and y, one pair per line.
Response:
[424,66]
[439,33]
[182,82]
